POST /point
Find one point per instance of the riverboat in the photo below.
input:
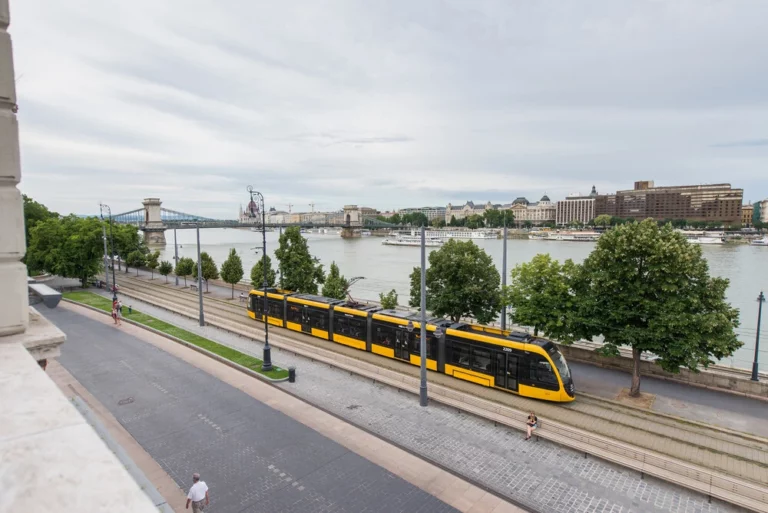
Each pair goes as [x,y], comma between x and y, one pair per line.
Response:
[566,236]
[760,242]
[704,237]
[411,241]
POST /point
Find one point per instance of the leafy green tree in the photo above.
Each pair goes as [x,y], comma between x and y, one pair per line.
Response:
[127,239]
[437,222]
[647,288]
[461,281]
[456,222]
[257,273]
[185,267]
[136,259]
[389,300]
[153,262]
[166,268]
[417,219]
[541,295]
[232,270]
[603,220]
[474,221]
[301,272]
[208,266]
[34,213]
[335,284]
[396,219]
[70,247]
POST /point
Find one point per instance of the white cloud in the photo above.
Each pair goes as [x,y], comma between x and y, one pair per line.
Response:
[385,104]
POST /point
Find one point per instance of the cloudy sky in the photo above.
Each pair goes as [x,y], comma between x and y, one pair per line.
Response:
[385,103]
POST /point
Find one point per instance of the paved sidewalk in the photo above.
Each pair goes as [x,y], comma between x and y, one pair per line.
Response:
[545,476]
[192,413]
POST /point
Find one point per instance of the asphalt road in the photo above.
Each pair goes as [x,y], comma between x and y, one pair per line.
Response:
[253,458]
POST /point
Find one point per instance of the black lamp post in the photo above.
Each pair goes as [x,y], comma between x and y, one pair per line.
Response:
[112,246]
[253,211]
[760,301]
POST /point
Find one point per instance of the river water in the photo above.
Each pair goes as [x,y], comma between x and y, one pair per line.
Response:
[388,267]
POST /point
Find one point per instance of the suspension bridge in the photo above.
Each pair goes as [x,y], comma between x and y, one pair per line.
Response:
[154,220]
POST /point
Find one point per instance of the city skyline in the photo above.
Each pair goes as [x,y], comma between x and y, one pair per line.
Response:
[397,105]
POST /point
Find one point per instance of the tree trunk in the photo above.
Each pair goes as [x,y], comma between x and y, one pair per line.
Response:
[233,291]
[635,390]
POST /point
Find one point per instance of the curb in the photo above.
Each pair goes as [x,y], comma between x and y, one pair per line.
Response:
[229,363]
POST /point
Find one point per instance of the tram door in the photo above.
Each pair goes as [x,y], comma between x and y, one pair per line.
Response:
[305,326]
[506,371]
[401,345]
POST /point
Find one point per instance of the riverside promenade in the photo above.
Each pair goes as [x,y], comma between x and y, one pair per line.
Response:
[502,469]
[258,449]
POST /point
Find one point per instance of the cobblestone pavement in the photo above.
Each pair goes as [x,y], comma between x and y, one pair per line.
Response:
[253,457]
[542,475]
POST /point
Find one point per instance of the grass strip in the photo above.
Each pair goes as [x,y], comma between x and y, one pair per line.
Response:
[102,303]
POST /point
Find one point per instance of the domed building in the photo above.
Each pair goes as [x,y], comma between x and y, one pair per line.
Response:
[537,213]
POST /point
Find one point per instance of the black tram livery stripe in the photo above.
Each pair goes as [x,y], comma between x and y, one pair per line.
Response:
[507,360]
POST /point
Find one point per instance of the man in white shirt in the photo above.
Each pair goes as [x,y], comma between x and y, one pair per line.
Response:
[197,494]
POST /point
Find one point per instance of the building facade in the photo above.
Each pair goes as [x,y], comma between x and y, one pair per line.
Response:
[576,208]
[715,202]
[468,209]
[746,215]
[430,212]
[538,213]
[764,211]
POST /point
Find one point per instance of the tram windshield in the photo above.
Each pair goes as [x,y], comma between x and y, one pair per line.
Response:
[562,367]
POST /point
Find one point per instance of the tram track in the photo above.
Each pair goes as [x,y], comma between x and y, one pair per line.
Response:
[736,454]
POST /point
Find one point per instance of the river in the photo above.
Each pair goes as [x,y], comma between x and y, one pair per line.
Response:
[388,267]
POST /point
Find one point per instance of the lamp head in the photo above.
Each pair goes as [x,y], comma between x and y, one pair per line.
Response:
[409,327]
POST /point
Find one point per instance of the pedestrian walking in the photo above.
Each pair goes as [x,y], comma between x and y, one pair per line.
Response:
[119,308]
[532,423]
[114,314]
[198,494]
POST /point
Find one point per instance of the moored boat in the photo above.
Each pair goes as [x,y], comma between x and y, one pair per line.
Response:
[411,241]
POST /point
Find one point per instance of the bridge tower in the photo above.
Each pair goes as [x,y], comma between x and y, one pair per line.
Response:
[353,221]
[153,228]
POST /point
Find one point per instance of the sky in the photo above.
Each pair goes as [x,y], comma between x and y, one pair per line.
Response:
[386,104]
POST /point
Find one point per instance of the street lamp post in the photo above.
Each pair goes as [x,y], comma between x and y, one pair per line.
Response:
[176,255]
[106,260]
[423,400]
[200,277]
[253,211]
[504,275]
[760,301]
[112,247]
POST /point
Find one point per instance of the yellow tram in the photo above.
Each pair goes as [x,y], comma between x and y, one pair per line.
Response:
[508,360]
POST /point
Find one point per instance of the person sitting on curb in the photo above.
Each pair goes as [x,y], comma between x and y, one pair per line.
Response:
[532,423]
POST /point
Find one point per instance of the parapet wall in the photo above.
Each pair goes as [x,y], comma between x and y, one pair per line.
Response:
[715,377]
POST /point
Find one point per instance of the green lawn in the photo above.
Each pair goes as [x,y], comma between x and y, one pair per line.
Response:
[102,303]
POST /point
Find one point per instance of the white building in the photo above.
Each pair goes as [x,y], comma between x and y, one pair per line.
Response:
[430,212]
[468,209]
[764,211]
[537,213]
[576,208]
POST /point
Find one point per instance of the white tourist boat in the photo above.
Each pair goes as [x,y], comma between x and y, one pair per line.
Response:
[566,236]
[402,240]
[760,242]
[704,237]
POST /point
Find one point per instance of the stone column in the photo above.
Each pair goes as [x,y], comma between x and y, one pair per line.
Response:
[14,305]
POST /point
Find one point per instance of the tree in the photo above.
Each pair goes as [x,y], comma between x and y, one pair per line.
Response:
[127,239]
[455,222]
[542,296]
[395,219]
[418,219]
[257,273]
[301,272]
[71,247]
[461,281]
[135,259]
[34,213]
[437,222]
[389,300]
[335,284]
[647,288]
[166,268]
[603,220]
[153,262]
[232,270]
[185,267]
[208,266]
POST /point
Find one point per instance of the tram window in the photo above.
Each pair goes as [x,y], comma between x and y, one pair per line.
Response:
[541,370]
[431,345]
[460,354]
[350,327]
[319,319]
[481,359]
[294,313]
[384,335]
[276,309]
